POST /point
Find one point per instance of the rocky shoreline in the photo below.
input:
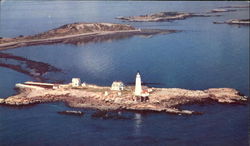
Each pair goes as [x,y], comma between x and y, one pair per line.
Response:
[167,100]
[79,32]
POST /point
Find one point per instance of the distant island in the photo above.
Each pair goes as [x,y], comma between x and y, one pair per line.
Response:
[83,32]
[236,6]
[235,21]
[121,97]
[222,10]
[162,16]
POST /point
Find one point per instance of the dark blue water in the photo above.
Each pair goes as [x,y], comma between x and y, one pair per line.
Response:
[41,125]
[203,56]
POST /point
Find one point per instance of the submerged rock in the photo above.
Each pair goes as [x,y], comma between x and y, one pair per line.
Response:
[109,115]
[77,113]
[26,66]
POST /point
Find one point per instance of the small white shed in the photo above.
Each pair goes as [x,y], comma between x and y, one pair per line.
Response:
[76,82]
[117,85]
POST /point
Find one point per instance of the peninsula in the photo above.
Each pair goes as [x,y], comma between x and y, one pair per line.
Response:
[121,97]
[162,16]
[82,32]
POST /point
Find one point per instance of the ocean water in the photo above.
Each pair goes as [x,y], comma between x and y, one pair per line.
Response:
[204,55]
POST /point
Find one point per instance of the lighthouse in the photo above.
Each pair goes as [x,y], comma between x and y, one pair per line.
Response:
[138,88]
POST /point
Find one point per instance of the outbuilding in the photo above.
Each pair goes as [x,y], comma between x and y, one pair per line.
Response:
[76,82]
[117,85]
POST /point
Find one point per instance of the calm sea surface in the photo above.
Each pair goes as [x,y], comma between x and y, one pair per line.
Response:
[204,55]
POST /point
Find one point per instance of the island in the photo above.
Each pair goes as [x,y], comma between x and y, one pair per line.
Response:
[237,6]
[162,16]
[79,94]
[235,21]
[222,10]
[79,32]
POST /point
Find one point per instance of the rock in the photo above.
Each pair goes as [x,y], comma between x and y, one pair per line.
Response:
[109,115]
[77,113]
[2,101]
[118,100]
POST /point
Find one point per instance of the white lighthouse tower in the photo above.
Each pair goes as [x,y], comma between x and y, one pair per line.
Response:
[138,88]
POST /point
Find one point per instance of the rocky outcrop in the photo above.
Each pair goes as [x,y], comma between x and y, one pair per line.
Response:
[2,101]
[162,16]
[160,100]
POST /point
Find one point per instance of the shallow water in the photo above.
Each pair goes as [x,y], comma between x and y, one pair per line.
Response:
[203,56]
